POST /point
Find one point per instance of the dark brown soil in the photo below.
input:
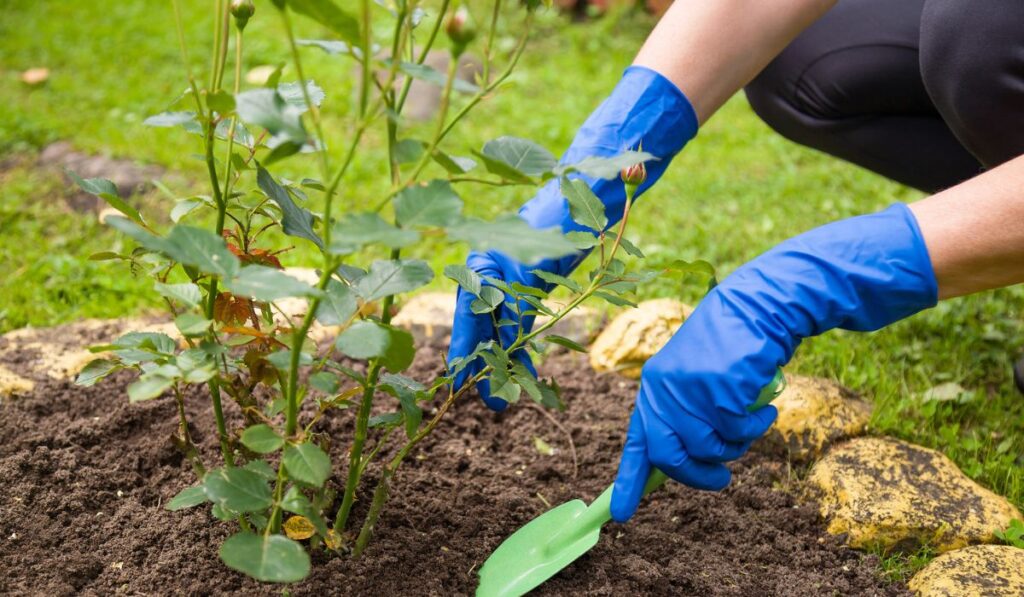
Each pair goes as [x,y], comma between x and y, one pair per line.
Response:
[84,473]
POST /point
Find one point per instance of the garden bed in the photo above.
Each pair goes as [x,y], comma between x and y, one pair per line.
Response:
[85,474]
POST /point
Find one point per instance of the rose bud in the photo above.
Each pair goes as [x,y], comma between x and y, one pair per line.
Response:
[460,30]
[242,10]
[634,175]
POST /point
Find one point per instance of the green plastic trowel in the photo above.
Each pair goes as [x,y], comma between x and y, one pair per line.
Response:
[558,537]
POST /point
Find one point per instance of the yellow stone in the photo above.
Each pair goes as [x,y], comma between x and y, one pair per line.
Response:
[636,334]
[815,413]
[892,494]
[11,383]
[989,570]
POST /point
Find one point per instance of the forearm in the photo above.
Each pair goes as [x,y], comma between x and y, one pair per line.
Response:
[975,231]
[712,48]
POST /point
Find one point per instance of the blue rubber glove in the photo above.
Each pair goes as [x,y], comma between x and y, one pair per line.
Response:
[644,109]
[691,414]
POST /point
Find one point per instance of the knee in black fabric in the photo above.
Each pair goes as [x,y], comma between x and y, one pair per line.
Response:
[972,63]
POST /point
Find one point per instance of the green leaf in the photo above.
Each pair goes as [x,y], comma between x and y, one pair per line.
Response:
[330,46]
[149,386]
[238,490]
[188,293]
[433,76]
[192,324]
[267,558]
[408,151]
[512,236]
[369,340]
[330,15]
[268,284]
[325,381]
[607,167]
[357,230]
[698,266]
[338,304]
[138,347]
[165,119]
[222,102]
[521,155]
[261,439]
[386,420]
[432,204]
[187,498]
[95,371]
[566,342]
[307,464]
[266,108]
[387,277]
[407,391]
[503,170]
[626,245]
[199,248]
[292,94]
[552,278]
[183,208]
[584,207]
[618,301]
[261,468]
[295,221]
[453,163]
[582,240]
[468,279]
[294,501]
[107,190]
[490,298]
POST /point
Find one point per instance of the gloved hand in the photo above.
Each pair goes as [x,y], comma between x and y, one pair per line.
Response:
[644,109]
[691,414]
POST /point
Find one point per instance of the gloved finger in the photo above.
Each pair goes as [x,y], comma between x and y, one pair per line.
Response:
[634,468]
[468,331]
[666,451]
[701,439]
[745,427]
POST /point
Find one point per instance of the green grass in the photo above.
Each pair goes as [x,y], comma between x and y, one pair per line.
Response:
[735,191]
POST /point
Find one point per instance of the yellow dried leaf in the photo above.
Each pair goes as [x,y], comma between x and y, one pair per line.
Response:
[299,528]
[332,540]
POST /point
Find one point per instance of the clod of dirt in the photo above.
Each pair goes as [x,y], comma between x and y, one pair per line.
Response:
[62,352]
[815,413]
[129,176]
[11,383]
[430,315]
[85,475]
[889,493]
[636,335]
[989,570]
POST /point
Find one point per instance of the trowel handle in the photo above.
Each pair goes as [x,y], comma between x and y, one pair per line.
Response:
[768,393]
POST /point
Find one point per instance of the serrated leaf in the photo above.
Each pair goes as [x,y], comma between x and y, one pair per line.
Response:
[238,490]
[489,299]
[521,155]
[614,299]
[187,294]
[295,220]
[566,342]
[428,74]
[107,190]
[95,371]
[292,94]
[358,230]
[468,279]
[192,324]
[261,468]
[330,15]
[453,163]
[183,208]
[386,420]
[555,279]
[338,304]
[512,236]
[307,464]
[372,340]
[584,207]
[165,119]
[432,204]
[149,386]
[267,558]
[138,347]
[268,284]
[295,502]
[261,439]
[330,46]
[582,239]
[266,108]
[186,498]
[503,170]
[607,168]
[387,277]
[199,248]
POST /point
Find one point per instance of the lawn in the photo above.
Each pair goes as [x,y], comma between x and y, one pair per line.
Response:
[736,190]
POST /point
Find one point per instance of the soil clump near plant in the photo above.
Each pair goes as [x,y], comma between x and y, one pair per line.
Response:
[85,473]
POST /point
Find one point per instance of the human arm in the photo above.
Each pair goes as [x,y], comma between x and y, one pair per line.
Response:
[694,49]
[862,273]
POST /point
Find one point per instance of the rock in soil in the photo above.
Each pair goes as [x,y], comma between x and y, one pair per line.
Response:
[12,384]
[988,570]
[895,495]
[815,413]
[636,334]
[84,475]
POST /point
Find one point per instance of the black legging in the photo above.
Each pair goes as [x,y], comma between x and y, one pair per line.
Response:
[926,92]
